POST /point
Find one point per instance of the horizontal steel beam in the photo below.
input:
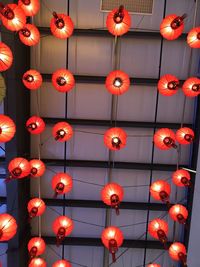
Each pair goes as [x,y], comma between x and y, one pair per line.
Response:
[81,203]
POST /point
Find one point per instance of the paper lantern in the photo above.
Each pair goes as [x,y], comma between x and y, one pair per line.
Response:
[62,131]
[62,227]
[160,190]
[8,227]
[63,80]
[36,207]
[158,229]
[62,263]
[61,26]
[6,57]
[154,265]
[35,125]
[172,26]
[164,139]
[191,87]
[168,85]
[7,128]
[112,238]
[112,194]
[115,138]
[18,168]
[193,38]
[32,79]
[37,168]
[37,262]
[30,7]
[36,247]
[29,35]
[178,213]
[177,252]
[117,82]
[181,178]
[62,183]
[118,21]
[185,136]
[12,16]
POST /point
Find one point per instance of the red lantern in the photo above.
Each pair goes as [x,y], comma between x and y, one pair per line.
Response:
[154,265]
[8,227]
[191,87]
[181,178]
[29,35]
[168,85]
[32,79]
[62,227]
[35,125]
[193,38]
[62,263]
[115,138]
[63,80]
[178,213]
[62,183]
[164,139]
[37,262]
[6,57]
[61,26]
[160,190]
[18,168]
[177,252]
[172,26]
[12,16]
[185,136]
[36,247]
[30,7]
[118,21]
[36,207]
[7,128]
[62,131]
[117,82]
[112,194]
[112,238]
[158,229]
[37,168]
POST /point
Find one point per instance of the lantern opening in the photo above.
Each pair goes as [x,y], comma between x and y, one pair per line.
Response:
[7,12]
[26,32]
[178,21]
[196,87]
[33,252]
[17,171]
[169,142]
[172,85]
[26,2]
[61,81]
[119,15]
[34,171]
[32,126]
[60,134]
[118,82]
[114,199]
[164,196]
[29,78]
[180,218]
[162,236]
[60,187]
[116,142]
[60,235]
[198,36]
[189,138]
[183,258]
[33,212]
[59,22]
[0,130]
[185,181]
[113,248]
[1,233]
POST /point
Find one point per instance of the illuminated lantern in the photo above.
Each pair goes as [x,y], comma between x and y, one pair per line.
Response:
[115,138]
[18,168]
[172,26]
[35,125]
[62,227]
[29,35]
[7,128]
[118,21]
[112,194]
[30,7]
[62,131]
[153,265]
[191,87]
[112,238]
[181,178]
[158,229]
[37,262]
[160,190]
[36,207]
[63,80]
[8,227]
[185,136]
[117,82]
[6,57]
[61,26]
[62,263]
[12,16]
[62,183]
[37,168]
[193,38]
[168,85]
[164,139]
[32,79]
[177,252]
[178,213]
[36,247]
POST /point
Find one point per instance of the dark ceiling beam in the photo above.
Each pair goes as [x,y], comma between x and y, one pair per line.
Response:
[3,200]
[82,203]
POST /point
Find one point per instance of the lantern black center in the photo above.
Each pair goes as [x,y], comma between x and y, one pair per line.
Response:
[196,87]
[26,32]
[172,85]
[119,15]
[61,81]
[117,82]
[17,171]
[116,142]
[34,171]
[8,13]
[26,2]
[60,187]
